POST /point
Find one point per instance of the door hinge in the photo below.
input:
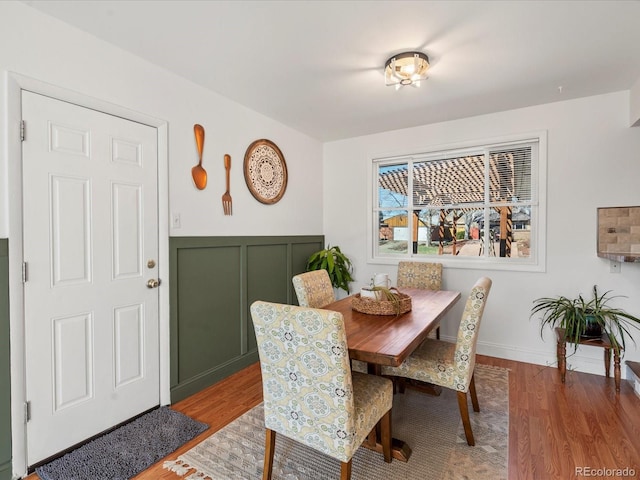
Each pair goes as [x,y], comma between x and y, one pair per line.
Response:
[22,128]
[25,272]
[27,411]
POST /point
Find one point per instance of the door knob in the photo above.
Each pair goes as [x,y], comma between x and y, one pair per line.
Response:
[153,283]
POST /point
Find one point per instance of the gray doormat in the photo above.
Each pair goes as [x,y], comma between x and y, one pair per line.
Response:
[126,451]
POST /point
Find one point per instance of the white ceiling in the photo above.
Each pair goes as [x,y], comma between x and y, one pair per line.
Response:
[317,66]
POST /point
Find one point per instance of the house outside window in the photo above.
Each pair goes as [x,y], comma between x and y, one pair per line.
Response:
[468,206]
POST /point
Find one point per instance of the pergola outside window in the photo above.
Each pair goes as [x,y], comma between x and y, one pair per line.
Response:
[473,203]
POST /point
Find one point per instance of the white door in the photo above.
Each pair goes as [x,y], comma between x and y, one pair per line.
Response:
[90,211]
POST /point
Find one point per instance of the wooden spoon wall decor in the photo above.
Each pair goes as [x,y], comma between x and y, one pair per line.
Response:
[198,173]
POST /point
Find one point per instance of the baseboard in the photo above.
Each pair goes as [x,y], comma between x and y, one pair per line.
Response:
[208,378]
[633,375]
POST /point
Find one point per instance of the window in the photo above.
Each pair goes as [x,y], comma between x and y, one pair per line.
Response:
[465,206]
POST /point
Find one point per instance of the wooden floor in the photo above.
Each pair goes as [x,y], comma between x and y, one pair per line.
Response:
[554,429]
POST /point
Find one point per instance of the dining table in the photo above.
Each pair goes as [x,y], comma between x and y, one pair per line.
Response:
[382,340]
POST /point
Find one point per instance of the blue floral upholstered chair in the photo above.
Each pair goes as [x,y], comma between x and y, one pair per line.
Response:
[451,365]
[314,289]
[424,275]
[310,393]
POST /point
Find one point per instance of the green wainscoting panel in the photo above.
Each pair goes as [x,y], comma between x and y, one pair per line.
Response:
[5,372]
[214,280]
[208,313]
[266,279]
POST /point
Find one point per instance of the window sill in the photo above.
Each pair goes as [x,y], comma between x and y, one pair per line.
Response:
[509,265]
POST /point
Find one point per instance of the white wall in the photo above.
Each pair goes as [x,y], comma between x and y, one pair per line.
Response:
[41,48]
[593,161]
[634,94]
[35,45]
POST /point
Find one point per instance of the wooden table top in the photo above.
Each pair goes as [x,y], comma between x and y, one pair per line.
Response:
[387,339]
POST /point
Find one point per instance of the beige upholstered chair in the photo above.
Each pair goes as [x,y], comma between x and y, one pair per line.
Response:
[310,393]
[451,365]
[314,289]
[424,275]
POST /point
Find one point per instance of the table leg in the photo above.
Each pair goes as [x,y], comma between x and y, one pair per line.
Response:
[401,384]
[616,368]
[607,361]
[399,449]
[424,387]
[562,358]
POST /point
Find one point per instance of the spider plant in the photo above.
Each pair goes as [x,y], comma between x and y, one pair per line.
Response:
[581,318]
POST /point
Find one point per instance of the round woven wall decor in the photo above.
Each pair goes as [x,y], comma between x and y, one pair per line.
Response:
[265,171]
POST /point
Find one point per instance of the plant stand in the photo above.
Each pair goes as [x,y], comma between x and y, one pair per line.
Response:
[602,342]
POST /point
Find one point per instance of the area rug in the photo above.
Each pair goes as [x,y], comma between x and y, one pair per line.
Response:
[430,425]
[127,450]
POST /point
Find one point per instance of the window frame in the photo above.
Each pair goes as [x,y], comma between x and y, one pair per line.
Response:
[535,263]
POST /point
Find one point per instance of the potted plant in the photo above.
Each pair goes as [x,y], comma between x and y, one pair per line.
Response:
[581,318]
[337,265]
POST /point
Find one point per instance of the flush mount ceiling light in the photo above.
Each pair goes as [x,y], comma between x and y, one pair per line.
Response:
[407,68]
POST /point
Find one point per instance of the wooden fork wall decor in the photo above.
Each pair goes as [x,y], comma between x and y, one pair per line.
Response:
[226,197]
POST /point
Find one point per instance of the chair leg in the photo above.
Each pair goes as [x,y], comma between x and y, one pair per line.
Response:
[269,449]
[345,471]
[474,396]
[464,413]
[385,436]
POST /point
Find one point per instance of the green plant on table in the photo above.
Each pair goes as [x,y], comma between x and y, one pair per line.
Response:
[337,265]
[582,318]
